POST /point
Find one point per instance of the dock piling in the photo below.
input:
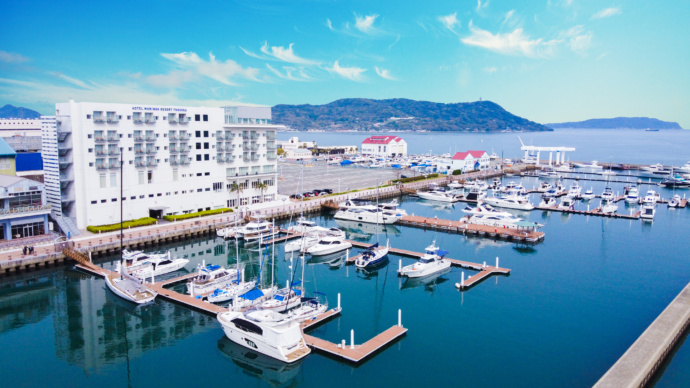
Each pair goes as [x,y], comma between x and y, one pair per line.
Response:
[352,339]
[399,318]
[497,262]
[338,301]
[399,265]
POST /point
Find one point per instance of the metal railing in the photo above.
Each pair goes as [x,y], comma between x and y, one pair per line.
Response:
[24,209]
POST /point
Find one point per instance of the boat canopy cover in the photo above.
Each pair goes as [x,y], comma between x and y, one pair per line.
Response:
[373,246]
[253,294]
[212,267]
[396,166]
[346,162]
[442,253]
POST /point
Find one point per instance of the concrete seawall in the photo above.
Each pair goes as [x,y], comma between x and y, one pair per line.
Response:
[640,362]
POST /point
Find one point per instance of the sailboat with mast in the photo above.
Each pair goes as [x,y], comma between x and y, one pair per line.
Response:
[122,284]
[234,288]
[256,295]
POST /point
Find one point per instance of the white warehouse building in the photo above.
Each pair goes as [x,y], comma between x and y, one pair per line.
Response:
[176,160]
[384,146]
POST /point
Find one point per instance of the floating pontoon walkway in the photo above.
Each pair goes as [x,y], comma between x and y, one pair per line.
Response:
[357,353]
[594,212]
[484,270]
[520,235]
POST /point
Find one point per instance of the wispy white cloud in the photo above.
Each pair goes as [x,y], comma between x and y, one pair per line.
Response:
[384,73]
[481,5]
[607,12]
[351,73]
[578,40]
[366,23]
[223,72]
[8,57]
[508,17]
[395,42]
[491,69]
[286,54]
[601,56]
[174,79]
[291,73]
[513,43]
[71,80]
[450,22]
[253,54]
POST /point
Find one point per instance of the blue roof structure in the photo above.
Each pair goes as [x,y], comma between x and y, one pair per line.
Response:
[29,161]
[5,149]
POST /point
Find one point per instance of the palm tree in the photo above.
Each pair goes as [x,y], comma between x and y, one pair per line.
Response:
[238,189]
[262,188]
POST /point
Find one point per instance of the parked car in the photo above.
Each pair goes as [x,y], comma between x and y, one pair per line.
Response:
[296,196]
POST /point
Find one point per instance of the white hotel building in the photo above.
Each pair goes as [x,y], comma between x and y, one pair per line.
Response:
[176,160]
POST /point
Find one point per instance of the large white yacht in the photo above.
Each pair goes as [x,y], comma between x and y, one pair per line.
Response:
[265,331]
[608,194]
[654,170]
[594,165]
[436,195]
[211,277]
[684,168]
[144,265]
[510,201]
[647,211]
[370,214]
[633,195]
[499,220]
[608,206]
[652,197]
[574,190]
[432,262]
[588,195]
[256,229]
[328,245]
[567,203]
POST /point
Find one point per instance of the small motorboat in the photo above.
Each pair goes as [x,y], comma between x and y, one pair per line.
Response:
[647,211]
[372,256]
[431,263]
[674,201]
[588,195]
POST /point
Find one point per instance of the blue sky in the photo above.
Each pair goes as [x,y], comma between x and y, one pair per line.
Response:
[548,61]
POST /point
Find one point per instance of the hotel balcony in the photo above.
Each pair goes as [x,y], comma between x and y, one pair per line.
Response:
[271,156]
[172,119]
[184,136]
[270,136]
[151,139]
[254,147]
[112,119]
[113,151]
[254,136]
[102,166]
[101,151]
[99,139]
[220,147]
[245,146]
[24,211]
[151,151]
[183,148]
[114,165]
[113,138]
[98,119]
[185,160]
[220,158]
[220,136]
[174,150]
[173,137]
[184,119]
[139,151]
[151,163]
[230,158]
[174,162]
[140,163]
[150,120]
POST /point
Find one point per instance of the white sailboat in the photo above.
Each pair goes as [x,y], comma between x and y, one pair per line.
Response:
[123,285]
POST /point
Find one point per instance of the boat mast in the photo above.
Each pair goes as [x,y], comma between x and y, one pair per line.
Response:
[273,253]
[122,264]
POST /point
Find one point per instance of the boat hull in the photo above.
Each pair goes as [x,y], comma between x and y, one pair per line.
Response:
[112,284]
[433,269]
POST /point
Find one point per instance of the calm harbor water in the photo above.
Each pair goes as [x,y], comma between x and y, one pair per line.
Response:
[618,145]
[571,306]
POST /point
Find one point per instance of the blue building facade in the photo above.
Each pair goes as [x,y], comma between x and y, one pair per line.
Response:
[23,208]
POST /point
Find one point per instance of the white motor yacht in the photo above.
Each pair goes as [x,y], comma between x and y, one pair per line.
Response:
[675,201]
[454,185]
[481,208]
[594,165]
[500,220]
[211,277]
[588,195]
[144,265]
[329,245]
[228,232]
[647,211]
[565,167]
[684,168]
[633,195]
[652,197]
[431,263]
[510,202]
[267,332]
[302,225]
[392,207]
[475,194]
[654,170]
[302,243]
[370,214]
[567,203]
[441,196]
[608,206]
[548,201]
[608,194]
[372,256]
[354,203]
[574,190]
[544,187]
[256,229]
[549,173]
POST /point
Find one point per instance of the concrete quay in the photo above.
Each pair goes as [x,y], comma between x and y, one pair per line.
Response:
[640,362]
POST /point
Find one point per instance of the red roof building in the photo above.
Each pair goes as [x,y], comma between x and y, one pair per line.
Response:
[387,146]
[466,161]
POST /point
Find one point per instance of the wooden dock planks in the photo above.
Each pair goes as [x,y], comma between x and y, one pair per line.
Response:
[463,227]
[360,352]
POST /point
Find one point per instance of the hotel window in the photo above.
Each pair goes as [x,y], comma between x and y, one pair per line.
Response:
[205,133]
[206,157]
[197,117]
[113,180]
[102,179]
[198,146]
[197,133]
[94,202]
[198,158]
[205,146]
[205,117]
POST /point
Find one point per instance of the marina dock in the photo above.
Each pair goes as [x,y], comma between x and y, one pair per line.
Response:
[352,353]
[518,235]
[484,270]
[594,212]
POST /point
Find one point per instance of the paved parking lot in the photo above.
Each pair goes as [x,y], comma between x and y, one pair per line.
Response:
[339,179]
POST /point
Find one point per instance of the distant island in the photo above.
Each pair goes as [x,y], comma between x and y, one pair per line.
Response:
[619,122]
[12,112]
[361,114]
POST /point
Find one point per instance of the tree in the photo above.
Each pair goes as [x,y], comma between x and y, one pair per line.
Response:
[235,187]
[262,188]
[280,151]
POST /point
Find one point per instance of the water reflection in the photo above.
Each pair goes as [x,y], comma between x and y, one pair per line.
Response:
[94,328]
[333,261]
[270,370]
[366,229]
[25,298]
[429,282]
